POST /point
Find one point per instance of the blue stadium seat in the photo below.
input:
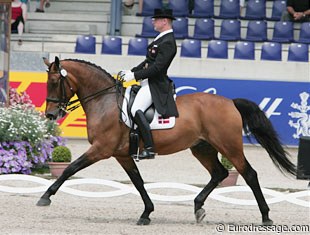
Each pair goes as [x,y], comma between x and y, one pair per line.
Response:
[148,30]
[191,48]
[283,32]
[203,9]
[304,33]
[180,28]
[278,7]
[271,51]
[148,7]
[256,31]
[137,46]
[255,10]
[230,30]
[217,49]
[229,9]
[298,52]
[244,51]
[203,29]
[85,44]
[179,7]
[111,45]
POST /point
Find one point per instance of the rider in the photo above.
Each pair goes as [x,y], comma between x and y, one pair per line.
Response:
[152,74]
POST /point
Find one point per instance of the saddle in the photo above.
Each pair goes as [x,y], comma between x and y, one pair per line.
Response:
[156,121]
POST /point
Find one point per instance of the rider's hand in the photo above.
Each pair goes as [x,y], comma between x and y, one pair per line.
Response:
[127,75]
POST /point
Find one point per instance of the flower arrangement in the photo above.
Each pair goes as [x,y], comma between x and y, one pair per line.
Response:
[27,138]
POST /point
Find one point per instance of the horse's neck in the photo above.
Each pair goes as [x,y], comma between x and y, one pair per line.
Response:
[104,101]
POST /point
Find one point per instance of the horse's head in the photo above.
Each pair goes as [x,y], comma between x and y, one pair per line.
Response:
[59,89]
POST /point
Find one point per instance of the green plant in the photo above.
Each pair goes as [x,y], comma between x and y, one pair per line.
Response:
[61,154]
[226,163]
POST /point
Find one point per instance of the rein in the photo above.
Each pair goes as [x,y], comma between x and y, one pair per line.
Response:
[88,98]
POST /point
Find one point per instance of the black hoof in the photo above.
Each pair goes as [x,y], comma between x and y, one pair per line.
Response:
[200,214]
[44,202]
[267,222]
[144,221]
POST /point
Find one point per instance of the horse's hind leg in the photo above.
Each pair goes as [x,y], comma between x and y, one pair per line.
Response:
[250,176]
[131,169]
[207,156]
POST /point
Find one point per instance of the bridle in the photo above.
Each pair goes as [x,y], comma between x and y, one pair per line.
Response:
[64,101]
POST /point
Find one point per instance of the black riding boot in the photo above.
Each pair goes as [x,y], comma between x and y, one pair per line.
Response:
[145,131]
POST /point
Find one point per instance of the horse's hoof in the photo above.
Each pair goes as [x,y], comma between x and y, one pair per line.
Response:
[267,222]
[44,202]
[200,214]
[144,221]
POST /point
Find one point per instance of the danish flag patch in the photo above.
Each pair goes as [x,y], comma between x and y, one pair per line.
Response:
[162,120]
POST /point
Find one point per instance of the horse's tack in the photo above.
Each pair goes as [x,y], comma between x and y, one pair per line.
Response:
[157,122]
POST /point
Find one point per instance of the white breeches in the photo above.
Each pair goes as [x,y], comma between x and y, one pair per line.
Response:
[143,99]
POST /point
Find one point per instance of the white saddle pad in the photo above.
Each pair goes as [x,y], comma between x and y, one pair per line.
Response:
[158,121]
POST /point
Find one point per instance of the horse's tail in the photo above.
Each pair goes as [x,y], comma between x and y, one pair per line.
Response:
[255,122]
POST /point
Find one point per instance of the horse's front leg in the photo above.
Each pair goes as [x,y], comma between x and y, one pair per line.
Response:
[131,169]
[74,167]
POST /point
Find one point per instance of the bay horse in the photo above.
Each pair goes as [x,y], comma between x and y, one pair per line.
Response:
[208,124]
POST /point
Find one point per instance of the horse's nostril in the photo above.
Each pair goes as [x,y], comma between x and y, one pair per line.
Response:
[50,116]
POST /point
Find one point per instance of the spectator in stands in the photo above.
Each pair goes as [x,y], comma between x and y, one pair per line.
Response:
[40,8]
[156,87]
[130,3]
[19,17]
[297,11]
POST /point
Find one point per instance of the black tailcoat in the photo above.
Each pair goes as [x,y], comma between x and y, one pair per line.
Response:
[160,54]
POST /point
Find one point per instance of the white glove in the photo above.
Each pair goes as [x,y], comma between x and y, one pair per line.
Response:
[127,75]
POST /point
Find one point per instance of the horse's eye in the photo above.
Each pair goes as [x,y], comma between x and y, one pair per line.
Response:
[52,85]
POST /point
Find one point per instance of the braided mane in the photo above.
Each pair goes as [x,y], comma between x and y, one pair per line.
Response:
[93,65]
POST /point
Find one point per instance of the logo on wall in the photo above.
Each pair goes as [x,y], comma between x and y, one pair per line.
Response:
[302,124]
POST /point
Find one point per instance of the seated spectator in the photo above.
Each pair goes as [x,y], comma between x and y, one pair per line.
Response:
[130,3]
[19,17]
[297,11]
[40,8]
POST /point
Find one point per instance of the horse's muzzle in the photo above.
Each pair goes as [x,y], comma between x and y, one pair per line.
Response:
[55,114]
[51,115]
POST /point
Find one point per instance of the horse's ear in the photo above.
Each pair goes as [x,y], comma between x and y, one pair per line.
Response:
[46,61]
[57,63]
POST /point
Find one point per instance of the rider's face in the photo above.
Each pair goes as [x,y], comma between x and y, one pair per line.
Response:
[159,24]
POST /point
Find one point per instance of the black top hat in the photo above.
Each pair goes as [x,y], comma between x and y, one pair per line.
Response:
[163,13]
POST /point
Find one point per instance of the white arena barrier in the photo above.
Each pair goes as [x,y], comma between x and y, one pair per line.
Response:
[123,189]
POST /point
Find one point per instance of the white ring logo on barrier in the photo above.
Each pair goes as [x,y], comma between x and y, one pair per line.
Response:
[123,189]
